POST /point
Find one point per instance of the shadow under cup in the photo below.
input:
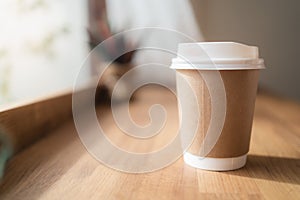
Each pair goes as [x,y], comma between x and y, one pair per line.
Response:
[230,148]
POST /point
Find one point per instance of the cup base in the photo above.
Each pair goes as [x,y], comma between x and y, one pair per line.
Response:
[215,164]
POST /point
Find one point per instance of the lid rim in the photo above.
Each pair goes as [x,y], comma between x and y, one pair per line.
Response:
[218,67]
[218,61]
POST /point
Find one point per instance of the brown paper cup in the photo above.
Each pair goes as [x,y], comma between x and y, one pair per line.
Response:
[230,149]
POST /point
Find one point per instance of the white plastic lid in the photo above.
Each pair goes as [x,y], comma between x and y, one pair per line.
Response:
[217,56]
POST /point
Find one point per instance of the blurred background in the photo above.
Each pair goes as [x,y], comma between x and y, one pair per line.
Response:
[43,43]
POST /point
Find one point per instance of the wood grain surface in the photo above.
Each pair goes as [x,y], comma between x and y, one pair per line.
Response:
[59,167]
[23,124]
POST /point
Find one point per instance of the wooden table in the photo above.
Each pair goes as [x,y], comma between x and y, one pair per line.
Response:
[59,167]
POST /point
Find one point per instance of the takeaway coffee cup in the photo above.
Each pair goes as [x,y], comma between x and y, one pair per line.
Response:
[223,78]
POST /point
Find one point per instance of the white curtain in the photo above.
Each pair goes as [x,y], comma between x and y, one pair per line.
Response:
[42,46]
